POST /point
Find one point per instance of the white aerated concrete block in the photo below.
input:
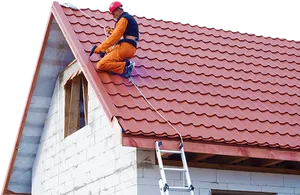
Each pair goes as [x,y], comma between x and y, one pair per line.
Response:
[244,187]
[206,175]
[205,192]
[267,179]
[277,189]
[291,181]
[237,177]
[132,190]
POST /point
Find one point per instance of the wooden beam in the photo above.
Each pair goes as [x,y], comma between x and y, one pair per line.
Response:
[74,115]
[269,163]
[85,97]
[71,63]
[238,192]
[67,107]
[239,159]
[234,167]
[165,155]
[147,142]
[201,157]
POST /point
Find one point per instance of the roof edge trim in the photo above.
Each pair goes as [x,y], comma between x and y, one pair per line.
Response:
[84,62]
[212,148]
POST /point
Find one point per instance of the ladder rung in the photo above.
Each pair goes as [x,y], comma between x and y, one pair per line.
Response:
[179,188]
[171,151]
[174,169]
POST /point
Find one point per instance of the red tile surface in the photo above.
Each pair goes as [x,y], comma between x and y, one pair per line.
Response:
[214,86]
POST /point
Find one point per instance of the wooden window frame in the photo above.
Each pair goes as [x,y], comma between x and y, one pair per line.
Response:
[74,86]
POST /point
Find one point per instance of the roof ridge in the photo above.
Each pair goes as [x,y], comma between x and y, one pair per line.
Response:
[207,26]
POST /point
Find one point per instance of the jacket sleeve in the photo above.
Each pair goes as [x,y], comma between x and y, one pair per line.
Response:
[114,37]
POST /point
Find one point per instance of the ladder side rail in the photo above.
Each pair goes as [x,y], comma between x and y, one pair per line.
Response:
[187,174]
[162,172]
[161,187]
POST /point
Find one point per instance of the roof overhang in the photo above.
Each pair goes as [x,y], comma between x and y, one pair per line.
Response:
[213,148]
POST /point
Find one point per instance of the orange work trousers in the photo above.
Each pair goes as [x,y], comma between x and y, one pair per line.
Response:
[114,60]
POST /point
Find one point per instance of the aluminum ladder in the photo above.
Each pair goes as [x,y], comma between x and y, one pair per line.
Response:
[163,185]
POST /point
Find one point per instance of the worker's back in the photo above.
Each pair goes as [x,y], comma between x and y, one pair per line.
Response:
[132,26]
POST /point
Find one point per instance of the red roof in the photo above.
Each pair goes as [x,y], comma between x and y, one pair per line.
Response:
[226,92]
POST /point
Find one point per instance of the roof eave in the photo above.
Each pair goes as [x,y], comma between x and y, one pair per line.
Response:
[145,142]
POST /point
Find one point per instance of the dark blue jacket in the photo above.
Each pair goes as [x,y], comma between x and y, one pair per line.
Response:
[132,29]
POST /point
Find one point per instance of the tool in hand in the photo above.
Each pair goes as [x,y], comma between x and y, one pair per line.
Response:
[92,50]
[102,54]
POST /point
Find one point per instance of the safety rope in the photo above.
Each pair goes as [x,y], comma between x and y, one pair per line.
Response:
[74,7]
[142,94]
[132,81]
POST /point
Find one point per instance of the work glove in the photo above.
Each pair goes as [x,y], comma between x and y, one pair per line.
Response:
[102,54]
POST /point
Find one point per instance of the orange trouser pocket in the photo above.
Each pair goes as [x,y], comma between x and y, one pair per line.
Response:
[114,61]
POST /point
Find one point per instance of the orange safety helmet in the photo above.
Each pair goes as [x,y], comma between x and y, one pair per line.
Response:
[114,5]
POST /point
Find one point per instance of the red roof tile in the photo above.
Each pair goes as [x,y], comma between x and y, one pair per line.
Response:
[214,86]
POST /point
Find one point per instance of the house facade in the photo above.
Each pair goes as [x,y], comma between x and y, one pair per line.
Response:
[93,161]
[234,97]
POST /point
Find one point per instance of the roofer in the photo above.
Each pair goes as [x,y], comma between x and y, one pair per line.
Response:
[117,60]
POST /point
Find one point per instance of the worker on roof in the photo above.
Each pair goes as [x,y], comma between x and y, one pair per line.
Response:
[117,60]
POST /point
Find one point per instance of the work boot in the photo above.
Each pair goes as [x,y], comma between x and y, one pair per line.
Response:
[128,69]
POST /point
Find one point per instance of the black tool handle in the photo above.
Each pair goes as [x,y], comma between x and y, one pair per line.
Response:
[93,49]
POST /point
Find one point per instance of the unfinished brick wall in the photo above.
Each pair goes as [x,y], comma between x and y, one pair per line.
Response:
[90,161]
[204,180]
